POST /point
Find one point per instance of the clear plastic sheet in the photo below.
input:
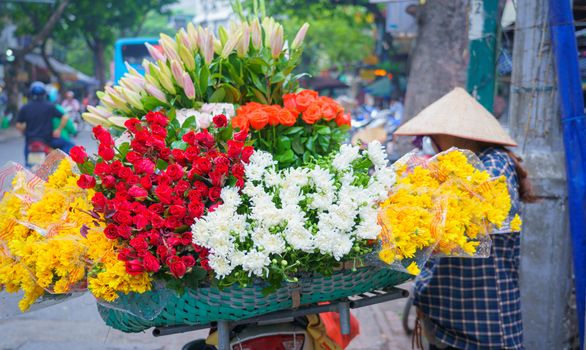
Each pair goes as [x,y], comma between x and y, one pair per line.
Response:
[147,305]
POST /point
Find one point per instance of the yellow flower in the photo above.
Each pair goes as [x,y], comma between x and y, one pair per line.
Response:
[516,223]
[413,269]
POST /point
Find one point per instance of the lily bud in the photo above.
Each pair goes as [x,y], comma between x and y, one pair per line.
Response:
[187,57]
[217,46]
[188,86]
[268,27]
[146,65]
[133,72]
[155,92]
[133,98]
[193,36]
[230,45]
[277,41]
[177,72]
[151,80]
[183,40]
[208,48]
[202,36]
[155,53]
[169,47]
[154,71]
[223,34]
[120,103]
[256,34]
[107,102]
[244,42]
[99,111]
[95,120]
[300,36]
[166,83]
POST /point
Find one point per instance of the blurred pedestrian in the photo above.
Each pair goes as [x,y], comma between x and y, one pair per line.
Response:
[70,130]
[35,120]
[466,303]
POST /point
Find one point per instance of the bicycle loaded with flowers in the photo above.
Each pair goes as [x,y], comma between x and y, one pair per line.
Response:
[216,174]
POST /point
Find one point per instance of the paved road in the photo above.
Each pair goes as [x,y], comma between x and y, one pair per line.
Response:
[76,324]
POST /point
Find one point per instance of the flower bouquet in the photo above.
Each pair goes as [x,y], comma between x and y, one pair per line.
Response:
[228,192]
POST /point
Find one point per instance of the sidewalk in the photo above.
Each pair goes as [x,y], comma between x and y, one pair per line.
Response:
[9,134]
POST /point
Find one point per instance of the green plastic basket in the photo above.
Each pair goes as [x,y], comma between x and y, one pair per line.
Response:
[205,305]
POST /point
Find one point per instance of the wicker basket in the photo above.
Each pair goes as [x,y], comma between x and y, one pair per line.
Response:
[205,305]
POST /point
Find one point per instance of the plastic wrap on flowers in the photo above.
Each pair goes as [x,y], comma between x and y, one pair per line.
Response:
[443,206]
[146,306]
[42,248]
[9,302]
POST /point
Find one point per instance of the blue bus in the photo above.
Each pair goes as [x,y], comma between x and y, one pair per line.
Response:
[133,51]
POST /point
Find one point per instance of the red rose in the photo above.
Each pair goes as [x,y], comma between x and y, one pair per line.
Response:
[241,135]
[164,179]
[134,267]
[124,231]
[108,181]
[102,168]
[238,170]
[246,153]
[132,124]
[125,173]
[214,206]
[178,155]
[189,138]
[188,260]
[181,187]
[140,221]
[178,268]
[174,241]
[139,243]
[146,182]
[195,209]
[123,217]
[186,238]
[174,171]
[144,166]
[86,181]
[151,263]
[216,178]
[99,201]
[98,130]
[105,139]
[177,211]
[157,118]
[157,221]
[192,153]
[162,252]
[156,208]
[240,183]
[164,193]
[78,154]
[125,254]
[157,142]
[234,148]
[111,231]
[202,166]
[220,121]
[159,130]
[215,193]
[116,166]
[138,192]
[205,138]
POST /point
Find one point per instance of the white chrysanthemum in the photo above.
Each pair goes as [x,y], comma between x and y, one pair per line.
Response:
[220,265]
[272,178]
[256,263]
[290,195]
[347,179]
[252,191]
[387,177]
[325,240]
[226,109]
[299,237]
[231,197]
[377,155]
[271,243]
[345,157]
[292,213]
[221,244]
[342,244]
[343,216]
[321,201]
[368,230]
[259,161]
[237,258]
[296,177]
[321,178]
[239,226]
[266,212]
[200,231]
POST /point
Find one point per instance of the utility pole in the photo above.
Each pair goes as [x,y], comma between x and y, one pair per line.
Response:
[546,282]
[482,33]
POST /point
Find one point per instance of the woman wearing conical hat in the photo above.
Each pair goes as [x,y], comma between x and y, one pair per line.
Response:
[472,304]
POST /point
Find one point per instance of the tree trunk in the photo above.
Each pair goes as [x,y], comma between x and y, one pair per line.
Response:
[99,64]
[50,66]
[439,59]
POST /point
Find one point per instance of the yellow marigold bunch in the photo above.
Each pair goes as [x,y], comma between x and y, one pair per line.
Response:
[447,203]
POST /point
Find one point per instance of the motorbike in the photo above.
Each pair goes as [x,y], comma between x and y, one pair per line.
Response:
[37,152]
[289,329]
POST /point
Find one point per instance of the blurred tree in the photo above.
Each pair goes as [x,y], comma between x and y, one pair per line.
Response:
[99,23]
[36,22]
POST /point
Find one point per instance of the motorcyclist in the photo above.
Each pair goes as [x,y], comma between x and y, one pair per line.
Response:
[35,120]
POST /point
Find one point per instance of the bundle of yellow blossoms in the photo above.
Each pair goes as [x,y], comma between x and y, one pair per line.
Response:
[43,245]
[446,205]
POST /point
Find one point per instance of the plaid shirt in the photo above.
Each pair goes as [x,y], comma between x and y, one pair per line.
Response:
[474,304]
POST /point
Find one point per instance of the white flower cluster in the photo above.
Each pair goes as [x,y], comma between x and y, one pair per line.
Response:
[206,113]
[313,210]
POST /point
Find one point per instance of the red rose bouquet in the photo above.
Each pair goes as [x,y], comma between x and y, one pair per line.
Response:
[151,189]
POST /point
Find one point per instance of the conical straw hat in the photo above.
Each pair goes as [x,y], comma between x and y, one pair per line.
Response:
[457,114]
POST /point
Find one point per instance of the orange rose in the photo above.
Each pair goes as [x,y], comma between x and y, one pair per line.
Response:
[258,119]
[273,113]
[289,102]
[312,114]
[249,107]
[343,119]
[304,99]
[329,111]
[240,121]
[287,118]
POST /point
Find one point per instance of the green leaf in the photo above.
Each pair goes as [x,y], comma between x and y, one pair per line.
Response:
[150,103]
[298,146]
[277,78]
[293,130]
[189,123]
[258,83]
[283,144]
[123,149]
[310,145]
[259,95]
[218,96]
[306,157]
[285,157]
[323,130]
[179,144]
[204,75]
[195,277]
[161,164]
